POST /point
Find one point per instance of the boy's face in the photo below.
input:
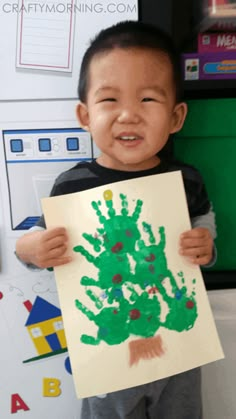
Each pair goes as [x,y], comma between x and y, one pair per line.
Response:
[130,108]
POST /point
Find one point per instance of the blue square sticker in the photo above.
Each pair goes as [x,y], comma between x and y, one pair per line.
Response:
[16,145]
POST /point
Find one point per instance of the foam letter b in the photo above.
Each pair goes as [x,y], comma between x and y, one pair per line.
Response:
[51,387]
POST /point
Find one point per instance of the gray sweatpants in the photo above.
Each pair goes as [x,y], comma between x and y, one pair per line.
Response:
[176,397]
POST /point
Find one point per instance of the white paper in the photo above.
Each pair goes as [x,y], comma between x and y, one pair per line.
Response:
[131,303]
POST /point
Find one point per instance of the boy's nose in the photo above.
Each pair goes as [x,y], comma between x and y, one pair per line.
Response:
[129,114]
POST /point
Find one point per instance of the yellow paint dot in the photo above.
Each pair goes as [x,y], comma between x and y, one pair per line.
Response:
[108,195]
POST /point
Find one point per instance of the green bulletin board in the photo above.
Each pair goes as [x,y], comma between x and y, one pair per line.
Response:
[208,141]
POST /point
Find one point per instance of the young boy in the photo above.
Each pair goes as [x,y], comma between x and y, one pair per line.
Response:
[130,101]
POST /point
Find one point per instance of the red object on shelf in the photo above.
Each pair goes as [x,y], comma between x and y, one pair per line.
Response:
[215,3]
[215,15]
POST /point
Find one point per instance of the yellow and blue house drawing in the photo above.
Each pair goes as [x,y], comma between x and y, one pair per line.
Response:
[45,327]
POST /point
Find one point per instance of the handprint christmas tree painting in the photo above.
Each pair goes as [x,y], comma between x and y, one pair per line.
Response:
[135,293]
[130,302]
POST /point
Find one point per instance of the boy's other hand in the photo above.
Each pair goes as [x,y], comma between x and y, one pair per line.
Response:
[197,244]
[44,249]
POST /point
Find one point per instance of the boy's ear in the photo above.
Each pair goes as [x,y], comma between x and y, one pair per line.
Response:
[178,117]
[83,115]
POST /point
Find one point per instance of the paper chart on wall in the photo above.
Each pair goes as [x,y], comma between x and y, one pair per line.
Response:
[129,301]
[45,35]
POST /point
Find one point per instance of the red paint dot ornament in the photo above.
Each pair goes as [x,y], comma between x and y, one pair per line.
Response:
[117,247]
[117,279]
[1,295]
[190,304]
[153,290]
[134,314]
[150,258]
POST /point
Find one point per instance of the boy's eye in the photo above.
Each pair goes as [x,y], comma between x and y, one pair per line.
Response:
[108,99]
[148,99]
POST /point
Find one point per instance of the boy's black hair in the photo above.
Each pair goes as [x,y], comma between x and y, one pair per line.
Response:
[130,34]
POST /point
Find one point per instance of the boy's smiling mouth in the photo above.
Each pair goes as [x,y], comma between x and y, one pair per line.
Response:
[128,137]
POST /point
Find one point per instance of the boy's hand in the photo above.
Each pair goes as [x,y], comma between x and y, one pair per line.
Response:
[197,245]
[44,249]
